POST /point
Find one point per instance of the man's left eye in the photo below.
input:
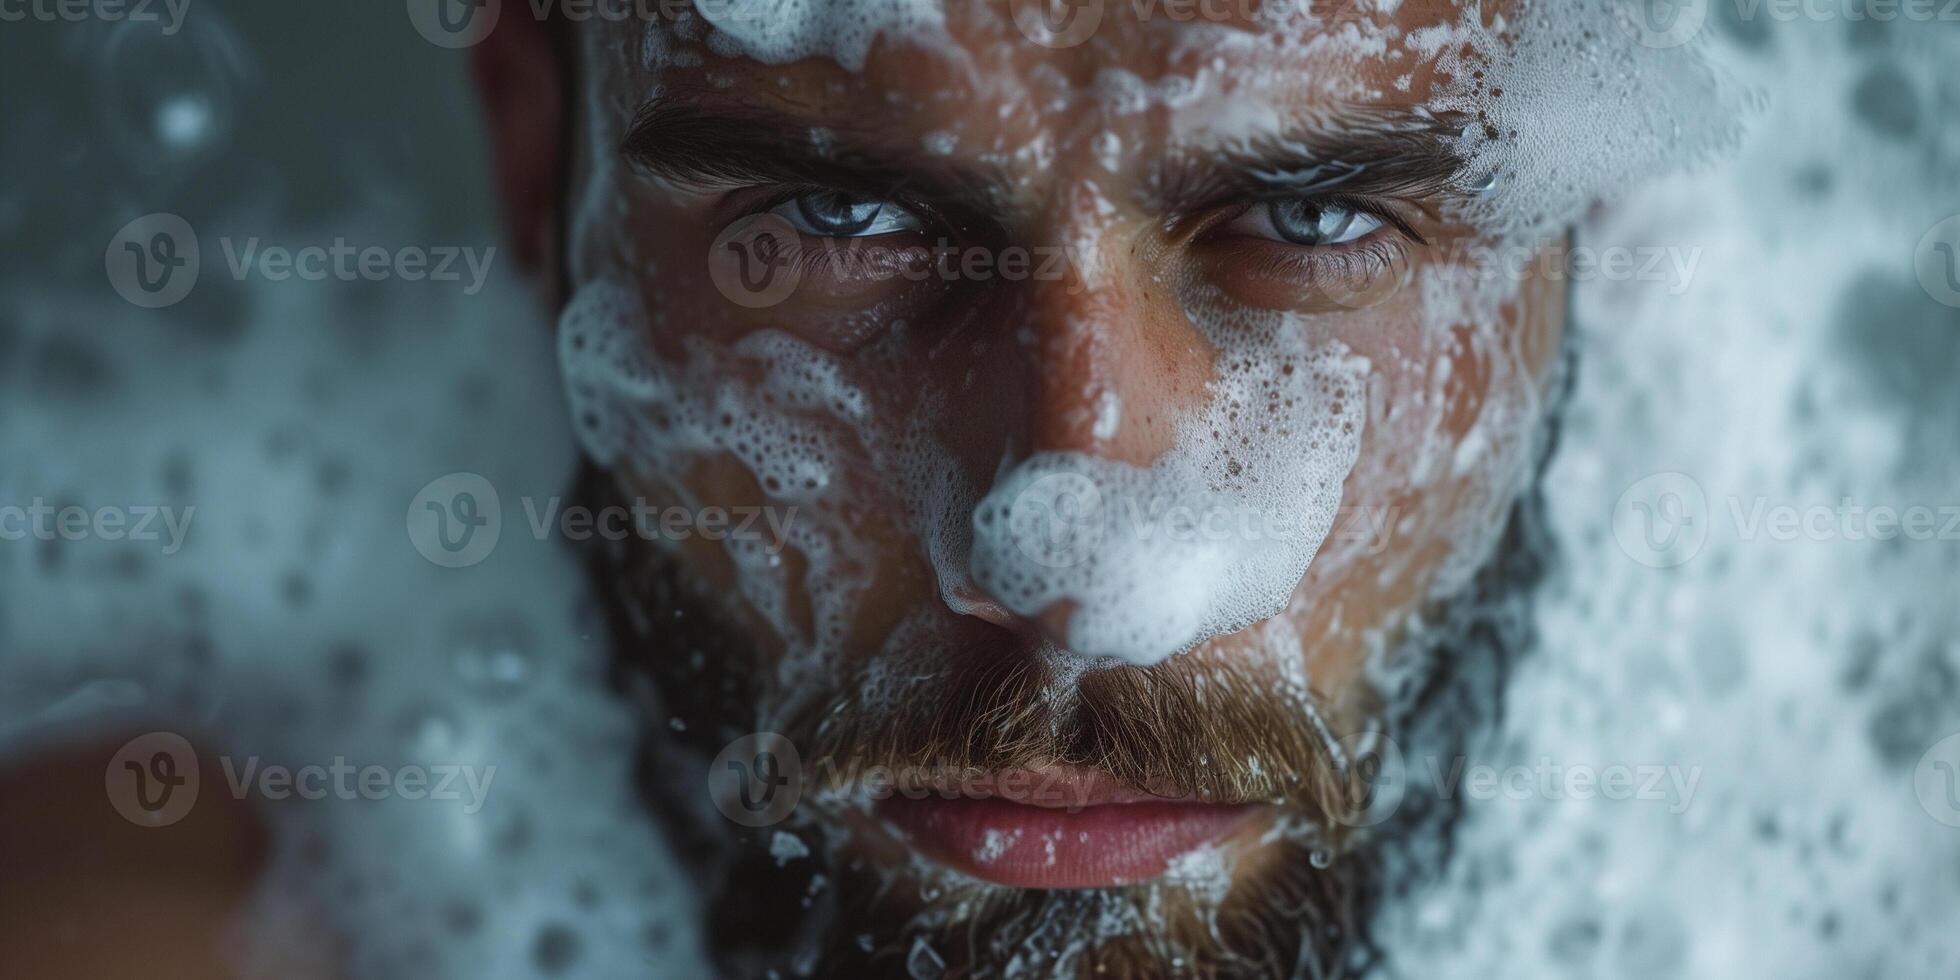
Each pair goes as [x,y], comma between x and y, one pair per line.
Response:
[836,214]
[1301,221]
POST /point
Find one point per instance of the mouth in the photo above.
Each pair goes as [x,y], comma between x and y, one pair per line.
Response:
[1059,828]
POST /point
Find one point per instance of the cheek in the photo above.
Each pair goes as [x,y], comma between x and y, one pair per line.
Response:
[1453,413]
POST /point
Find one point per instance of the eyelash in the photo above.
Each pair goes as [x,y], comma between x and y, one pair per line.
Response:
[931,220]
[1356,261]
[1372,253]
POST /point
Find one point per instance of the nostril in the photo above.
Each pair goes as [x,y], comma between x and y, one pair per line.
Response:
[1049,626]
[968,601]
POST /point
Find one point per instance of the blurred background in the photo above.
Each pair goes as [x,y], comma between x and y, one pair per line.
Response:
[1731,609]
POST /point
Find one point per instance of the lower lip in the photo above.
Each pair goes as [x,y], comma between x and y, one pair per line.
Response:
[1025,846]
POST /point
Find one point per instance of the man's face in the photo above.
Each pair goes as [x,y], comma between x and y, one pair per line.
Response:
[1113,402]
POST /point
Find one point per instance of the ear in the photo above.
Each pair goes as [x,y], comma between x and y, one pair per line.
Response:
[521,75]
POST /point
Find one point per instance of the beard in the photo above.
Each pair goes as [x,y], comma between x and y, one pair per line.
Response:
[1206,730]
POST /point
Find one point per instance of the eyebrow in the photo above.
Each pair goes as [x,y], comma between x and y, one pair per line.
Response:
[684,144]
[1350,150]
[1358,151]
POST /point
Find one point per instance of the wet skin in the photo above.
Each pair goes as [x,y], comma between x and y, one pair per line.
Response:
[994,143]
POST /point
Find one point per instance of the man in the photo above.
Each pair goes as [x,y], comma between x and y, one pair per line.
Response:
[1146,422]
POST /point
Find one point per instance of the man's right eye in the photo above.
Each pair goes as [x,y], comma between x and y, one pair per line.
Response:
[837,214]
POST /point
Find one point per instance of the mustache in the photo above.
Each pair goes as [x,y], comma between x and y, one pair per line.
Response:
[1206,727]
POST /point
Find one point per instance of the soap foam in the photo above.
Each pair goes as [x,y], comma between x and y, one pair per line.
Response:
[777,32]
[1212,536]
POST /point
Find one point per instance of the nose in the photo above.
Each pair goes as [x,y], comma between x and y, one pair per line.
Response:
[1114,357]
[1112,361]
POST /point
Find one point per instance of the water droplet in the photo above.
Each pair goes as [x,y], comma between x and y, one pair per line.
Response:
[492,654]
[170,98]
[429,731]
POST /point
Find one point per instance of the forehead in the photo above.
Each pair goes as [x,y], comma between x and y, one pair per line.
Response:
[1190,69]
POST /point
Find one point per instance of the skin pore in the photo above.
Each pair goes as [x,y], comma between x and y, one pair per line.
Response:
[1202,184]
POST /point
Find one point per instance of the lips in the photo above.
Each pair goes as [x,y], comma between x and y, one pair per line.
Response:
[1058,829]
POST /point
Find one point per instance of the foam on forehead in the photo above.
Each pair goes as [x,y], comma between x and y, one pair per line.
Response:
[780,31]
[1565,107]
[1561,104]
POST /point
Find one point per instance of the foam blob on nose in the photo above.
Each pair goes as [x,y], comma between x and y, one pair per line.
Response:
[1212,537]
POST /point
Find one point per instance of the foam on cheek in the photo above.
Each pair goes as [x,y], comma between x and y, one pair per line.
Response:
[780,31]
[1211,537]
[783,410]
[628,405]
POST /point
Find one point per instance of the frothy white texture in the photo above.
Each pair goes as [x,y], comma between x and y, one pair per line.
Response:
[1563,108]
[1211,537]
[781,31]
